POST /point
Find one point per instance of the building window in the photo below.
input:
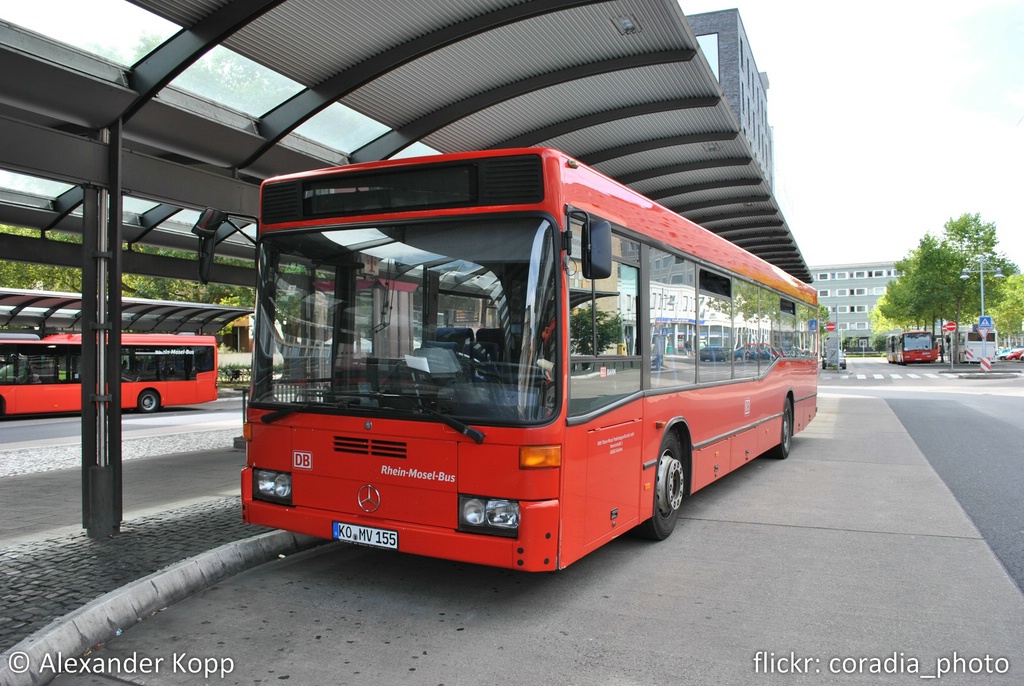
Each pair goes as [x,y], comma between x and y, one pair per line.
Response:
[824,293]
[822,277]
[859,275]
[842,292]
[842,275]
[860,291]
[879,290]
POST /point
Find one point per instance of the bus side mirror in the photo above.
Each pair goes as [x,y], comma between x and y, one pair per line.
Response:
[597,250]
[207,228]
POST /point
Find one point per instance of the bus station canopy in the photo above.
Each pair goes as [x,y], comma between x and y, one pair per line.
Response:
[619,84]
[49,313]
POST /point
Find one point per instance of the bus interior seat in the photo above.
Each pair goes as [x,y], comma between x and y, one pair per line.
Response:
[492,341]
[461,338]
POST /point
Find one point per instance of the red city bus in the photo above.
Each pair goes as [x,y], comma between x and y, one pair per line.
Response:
[493,357]
[911,346]
[42,375]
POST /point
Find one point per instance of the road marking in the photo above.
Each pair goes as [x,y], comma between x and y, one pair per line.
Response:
[862,376]
[878,376]
[895,376]
[913,376]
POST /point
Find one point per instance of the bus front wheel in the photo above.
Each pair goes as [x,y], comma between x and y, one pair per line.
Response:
[669,489]
[149,401]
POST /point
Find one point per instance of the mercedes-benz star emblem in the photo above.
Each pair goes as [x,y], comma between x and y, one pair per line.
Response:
[369,498]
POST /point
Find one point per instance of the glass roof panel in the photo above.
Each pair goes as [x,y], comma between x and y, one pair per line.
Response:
[226,77]
[414,150]
[114,29]
[137,205]
[32,184]
[341,128]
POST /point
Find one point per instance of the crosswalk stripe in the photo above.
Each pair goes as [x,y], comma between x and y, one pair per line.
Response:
[895,376]
[913,376]
[878,376]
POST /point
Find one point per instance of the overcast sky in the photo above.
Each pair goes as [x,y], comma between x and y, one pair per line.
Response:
[890,118]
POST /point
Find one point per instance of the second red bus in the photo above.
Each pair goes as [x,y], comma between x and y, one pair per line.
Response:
[908,347]
[41,375]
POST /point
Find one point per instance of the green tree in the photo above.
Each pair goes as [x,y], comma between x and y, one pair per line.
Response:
[581,330]
[39,277]
[930,286]
[1008,313]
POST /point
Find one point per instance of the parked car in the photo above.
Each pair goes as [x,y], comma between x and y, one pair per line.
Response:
[713,353]
[754,351]
[1014,355]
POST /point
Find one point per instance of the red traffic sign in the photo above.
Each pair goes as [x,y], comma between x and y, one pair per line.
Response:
[949,326]
[831,326]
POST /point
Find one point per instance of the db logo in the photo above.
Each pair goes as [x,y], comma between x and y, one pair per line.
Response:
[302,459]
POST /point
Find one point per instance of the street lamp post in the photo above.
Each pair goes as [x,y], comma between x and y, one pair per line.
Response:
[980,271]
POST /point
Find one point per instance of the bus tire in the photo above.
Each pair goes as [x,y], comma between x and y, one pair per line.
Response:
[149,401]
[781,451]
[669,489]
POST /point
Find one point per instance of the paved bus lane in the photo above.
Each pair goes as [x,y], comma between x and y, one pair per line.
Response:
[850,562]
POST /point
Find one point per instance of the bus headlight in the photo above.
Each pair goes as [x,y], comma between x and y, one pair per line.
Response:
[496,516]
[275,487]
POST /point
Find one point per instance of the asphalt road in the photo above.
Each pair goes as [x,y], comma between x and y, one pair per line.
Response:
[971,430]
[67,428]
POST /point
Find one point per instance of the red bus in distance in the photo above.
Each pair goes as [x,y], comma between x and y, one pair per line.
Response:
[42,375]
[504,358]
[909,347]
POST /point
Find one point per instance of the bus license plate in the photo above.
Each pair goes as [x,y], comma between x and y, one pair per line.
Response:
[365,535]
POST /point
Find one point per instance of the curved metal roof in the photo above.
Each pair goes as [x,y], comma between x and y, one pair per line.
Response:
[62,312]
[618,84]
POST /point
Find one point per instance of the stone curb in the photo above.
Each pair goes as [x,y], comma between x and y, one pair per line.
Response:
[104,618]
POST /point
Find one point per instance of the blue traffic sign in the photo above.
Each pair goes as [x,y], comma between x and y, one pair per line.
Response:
[985,322]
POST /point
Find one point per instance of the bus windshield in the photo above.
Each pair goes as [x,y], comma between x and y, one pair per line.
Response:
[917,341]
[427,320]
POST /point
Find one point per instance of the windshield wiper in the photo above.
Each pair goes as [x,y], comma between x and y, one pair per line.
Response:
[285,411]
[461,427]
[419,405]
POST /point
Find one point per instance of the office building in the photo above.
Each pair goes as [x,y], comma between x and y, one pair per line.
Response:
[850,292]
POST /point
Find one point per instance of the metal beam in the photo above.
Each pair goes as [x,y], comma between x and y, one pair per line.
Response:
[694,206]
[744,214]
[398,139]
[284,118]
[53,154]
[683,168]
[165,63]
[546,133]
[61,254]
[707,186]
[657,144]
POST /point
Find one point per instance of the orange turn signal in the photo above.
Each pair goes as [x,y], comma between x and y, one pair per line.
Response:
[540,456]
[247,431]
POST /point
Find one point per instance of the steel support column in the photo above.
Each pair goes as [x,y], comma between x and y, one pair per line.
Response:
[101,350]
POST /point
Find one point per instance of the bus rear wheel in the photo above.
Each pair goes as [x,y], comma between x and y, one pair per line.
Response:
[669,489]
[149,401]
[781,451]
